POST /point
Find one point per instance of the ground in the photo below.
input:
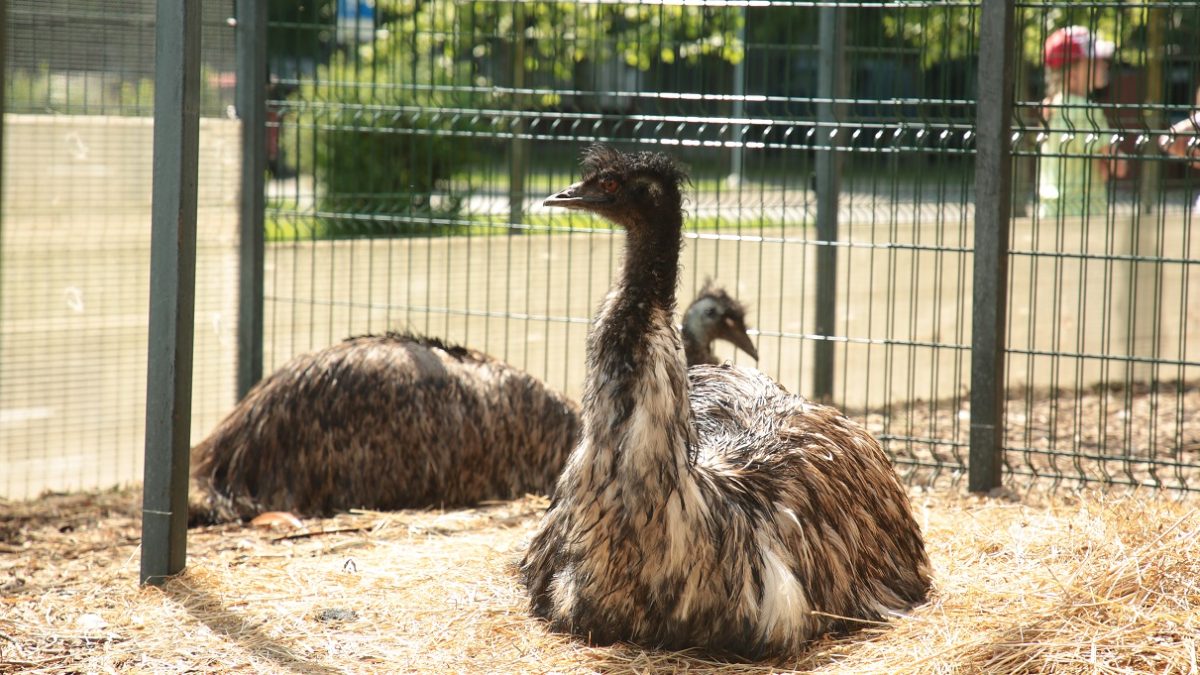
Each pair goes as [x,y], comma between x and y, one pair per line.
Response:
[1050,583]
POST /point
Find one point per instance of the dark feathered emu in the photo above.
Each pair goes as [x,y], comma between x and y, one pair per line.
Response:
[708,509]
[383,422]
[399,421]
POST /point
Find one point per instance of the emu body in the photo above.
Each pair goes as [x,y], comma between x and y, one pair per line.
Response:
[383,422]
[706,508]
[398,421]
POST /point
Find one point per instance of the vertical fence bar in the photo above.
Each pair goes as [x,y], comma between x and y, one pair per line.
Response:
[252,109]
[518,164]
[830,85]
[739,103]
[172,288]
[993,203]
[3,89]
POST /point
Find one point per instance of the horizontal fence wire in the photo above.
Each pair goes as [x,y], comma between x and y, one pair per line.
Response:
[417,145]
[410,145]
[75,241]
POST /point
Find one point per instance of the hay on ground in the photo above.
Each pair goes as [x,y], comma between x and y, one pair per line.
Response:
[1088,583]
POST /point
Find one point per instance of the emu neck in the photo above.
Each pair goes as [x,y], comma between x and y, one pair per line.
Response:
[636,411]
[697,351]
[651,267]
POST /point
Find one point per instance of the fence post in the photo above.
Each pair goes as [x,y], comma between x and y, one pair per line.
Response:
[518,161]
[830,85]
[3,88]
[993,203]
[252,109]
[739,104]
[172,288]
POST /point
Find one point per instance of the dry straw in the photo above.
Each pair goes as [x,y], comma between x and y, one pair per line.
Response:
[1086,584]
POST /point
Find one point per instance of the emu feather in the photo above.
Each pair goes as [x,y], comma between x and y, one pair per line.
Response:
[706,507]
[397,421]
[383,422]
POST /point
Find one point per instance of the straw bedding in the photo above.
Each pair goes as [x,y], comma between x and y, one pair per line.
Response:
[1066,583]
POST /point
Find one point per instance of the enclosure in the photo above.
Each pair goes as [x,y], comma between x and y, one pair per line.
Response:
[869,177]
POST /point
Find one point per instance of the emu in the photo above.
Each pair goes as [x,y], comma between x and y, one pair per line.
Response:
[397,421]
[714,315]
[706,508]
[382,422]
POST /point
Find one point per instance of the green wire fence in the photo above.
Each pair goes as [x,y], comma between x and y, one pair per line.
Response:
[897,246]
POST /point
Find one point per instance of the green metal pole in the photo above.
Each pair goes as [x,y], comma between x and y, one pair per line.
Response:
[252,109]
[172,288]
[830,85]
[993,202]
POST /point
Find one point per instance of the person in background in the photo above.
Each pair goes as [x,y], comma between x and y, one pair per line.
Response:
[1183,140]
[1077,157]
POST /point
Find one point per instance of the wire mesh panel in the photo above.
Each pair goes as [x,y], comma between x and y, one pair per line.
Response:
[416,141]
[74,248]
[831,147]
[1104,341]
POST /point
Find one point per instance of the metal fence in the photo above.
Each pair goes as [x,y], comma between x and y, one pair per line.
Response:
[836,151]
[75,239]
[833,149]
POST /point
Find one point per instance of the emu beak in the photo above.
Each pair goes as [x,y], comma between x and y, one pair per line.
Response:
[735,332]
[577,196]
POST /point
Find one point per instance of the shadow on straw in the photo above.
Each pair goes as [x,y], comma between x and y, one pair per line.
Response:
[246,631]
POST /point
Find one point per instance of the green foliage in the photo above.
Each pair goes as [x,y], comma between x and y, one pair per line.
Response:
[386,124]
[381,137]
[558,35]
[951,31]
[98,93]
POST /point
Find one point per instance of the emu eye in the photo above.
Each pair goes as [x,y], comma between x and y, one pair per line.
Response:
[609,185]
[710,312]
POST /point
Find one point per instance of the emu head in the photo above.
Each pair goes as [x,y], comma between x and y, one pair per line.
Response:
[632,189]
[716,315]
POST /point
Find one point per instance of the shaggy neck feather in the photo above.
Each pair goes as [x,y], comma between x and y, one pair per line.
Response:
[635,399]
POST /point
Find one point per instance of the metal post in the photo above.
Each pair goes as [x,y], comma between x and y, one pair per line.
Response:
[172,288]
[739,104]
[518,164]
[993,202]
[830,85]
[3,88]
[252,109]
[1155,79]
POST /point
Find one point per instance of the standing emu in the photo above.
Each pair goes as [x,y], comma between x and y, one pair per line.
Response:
[396,421]
[735,517]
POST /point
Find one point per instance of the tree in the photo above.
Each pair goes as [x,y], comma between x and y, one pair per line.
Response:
[387,121]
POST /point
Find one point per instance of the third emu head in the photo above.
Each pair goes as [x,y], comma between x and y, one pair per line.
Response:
[715,315]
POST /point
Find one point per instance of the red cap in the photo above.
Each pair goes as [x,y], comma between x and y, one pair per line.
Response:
[1075,43]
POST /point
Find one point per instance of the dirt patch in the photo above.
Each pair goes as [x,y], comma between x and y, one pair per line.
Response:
[1139,436]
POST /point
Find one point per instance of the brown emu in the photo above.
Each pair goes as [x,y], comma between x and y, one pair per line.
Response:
[396,421]
[714,315]
[383,422]
[706,508]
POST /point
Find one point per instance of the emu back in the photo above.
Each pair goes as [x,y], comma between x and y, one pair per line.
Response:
[383,422]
